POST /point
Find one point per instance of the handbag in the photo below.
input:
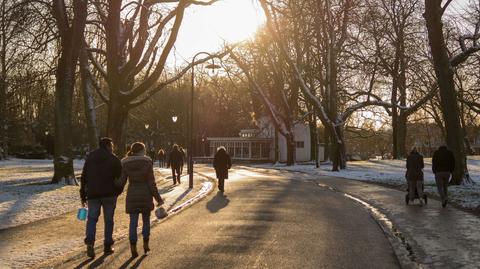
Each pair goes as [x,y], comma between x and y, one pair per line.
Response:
[160,212]
[82,213]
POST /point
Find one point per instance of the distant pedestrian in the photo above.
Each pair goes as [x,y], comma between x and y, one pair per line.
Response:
[137,168]
[443,165]
[221,163]
[175,161]
[98,191]
[415,175]
[183,159]
[161,156]
[153,154]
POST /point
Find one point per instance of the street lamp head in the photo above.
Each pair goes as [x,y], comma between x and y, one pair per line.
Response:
[174,118]
[147,126]
[213,66]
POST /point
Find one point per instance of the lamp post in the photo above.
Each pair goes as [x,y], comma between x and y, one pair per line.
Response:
[190,135]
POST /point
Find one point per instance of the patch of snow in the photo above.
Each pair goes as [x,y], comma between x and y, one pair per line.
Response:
[27,196]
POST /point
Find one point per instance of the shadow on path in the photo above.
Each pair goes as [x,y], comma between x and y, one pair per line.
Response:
[218,202]
[180,198]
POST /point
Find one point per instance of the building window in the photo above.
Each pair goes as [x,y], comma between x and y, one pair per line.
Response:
[300,144]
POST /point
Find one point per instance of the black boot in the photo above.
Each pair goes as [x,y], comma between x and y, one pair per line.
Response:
[90,251]
[108,249]
[133,248]
[146,247]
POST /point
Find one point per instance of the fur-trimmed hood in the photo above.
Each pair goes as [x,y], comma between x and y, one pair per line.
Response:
[135,158]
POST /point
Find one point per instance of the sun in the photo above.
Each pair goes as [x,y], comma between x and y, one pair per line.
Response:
[207,28]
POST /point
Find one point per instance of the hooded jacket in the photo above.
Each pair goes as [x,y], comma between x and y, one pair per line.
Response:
[221,163]
[142,189]
[98,175]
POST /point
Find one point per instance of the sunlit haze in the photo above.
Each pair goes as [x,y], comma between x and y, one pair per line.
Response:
[207,28]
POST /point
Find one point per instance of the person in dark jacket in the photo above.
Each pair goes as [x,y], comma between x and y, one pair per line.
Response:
[137,168]
[183,159]
[443,165]
[221,163]
[415,174]
[161,156]
[175,161]
[98,191]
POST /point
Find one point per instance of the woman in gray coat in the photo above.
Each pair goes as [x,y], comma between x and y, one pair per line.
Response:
[137,168]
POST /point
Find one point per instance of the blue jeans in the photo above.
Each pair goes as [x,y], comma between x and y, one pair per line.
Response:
[134,224]
[94,205]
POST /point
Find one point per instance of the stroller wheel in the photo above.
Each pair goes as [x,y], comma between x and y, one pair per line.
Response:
[406,199]
[425,198]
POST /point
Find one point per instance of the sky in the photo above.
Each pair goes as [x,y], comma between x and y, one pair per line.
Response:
[207,28]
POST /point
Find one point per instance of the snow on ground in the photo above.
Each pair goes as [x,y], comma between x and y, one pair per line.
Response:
[26,196]
[392,172]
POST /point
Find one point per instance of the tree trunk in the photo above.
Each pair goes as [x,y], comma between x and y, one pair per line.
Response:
[401,135]
[446,84]
[338,152]
[117,121]
[63,162]
[89,101]
[3,111]
[291,149]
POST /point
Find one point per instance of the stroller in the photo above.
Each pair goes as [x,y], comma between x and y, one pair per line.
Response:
[424,197]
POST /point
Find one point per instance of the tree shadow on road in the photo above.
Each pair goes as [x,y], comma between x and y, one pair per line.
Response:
[179,198]
[218,202]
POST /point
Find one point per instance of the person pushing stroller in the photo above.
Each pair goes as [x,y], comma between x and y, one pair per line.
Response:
[414,177]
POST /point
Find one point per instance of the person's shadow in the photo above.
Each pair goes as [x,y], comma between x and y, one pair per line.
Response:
[218,202]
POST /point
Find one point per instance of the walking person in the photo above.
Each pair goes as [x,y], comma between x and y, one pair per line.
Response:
[414,175]
[161,155]
[137,168]
[443,165]
[183,159]
[221,163]
[175,161]
[98,190]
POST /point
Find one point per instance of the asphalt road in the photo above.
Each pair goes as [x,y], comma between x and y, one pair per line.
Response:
[265,220]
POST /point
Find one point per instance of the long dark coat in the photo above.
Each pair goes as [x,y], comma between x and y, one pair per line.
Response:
[221,163]
[175,159]
[142,188]
[443,160]
[414,166]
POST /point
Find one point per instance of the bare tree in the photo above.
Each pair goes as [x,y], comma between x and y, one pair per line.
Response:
[444,65]
[70,29]
[134,40]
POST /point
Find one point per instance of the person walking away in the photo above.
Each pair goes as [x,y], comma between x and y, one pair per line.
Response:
[443,165]
[175,161]
[161,158]
[152,154]
[183,159]
[221,163]
[414,175]
[137,169]
[98,190]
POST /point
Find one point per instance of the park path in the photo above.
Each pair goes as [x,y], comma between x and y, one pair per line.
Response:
[54,238]
[263,220]
[438,237]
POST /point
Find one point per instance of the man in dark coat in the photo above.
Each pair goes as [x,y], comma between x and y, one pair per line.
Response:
[415,174]
[221,163]
[175,161]
[98,190]
[443,165]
